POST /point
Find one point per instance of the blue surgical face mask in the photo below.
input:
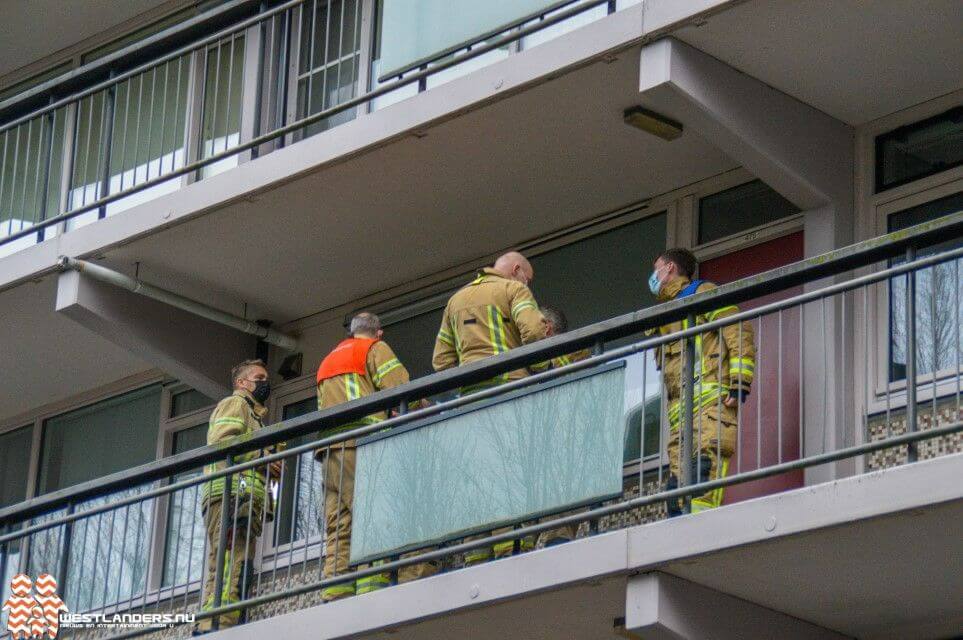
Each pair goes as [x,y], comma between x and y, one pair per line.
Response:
[655,285]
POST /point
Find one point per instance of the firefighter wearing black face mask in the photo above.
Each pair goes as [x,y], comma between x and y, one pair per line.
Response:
[250,502]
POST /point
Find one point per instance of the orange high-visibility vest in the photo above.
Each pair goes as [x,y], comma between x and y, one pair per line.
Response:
[350,356]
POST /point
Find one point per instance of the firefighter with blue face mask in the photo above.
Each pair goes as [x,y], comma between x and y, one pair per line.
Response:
[722,376]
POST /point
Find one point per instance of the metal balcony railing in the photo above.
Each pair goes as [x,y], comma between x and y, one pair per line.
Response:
[290,71]
[814,402]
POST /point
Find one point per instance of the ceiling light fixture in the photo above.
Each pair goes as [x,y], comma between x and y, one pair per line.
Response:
[652,122]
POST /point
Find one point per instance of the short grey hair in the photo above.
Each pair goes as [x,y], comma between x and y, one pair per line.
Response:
[556,317]
[365,322]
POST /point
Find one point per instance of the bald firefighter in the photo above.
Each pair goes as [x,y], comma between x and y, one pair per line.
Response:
[723,373]
[359,366]
[250,503]
[494,313]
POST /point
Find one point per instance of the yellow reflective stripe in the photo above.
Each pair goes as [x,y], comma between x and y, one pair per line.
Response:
[352,387]
[385,369]
[338,590]
[444,336]
[710,393]
[239,421]
[496,330]
[521,306]
[563,361]
[712,315]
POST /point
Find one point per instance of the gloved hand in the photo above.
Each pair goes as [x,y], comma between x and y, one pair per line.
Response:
[736,395]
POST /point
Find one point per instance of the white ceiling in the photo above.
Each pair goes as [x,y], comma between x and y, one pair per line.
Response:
[853,59]
[34,29]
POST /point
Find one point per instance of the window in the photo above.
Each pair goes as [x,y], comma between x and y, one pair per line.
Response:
[330,61]
[299,506]
[14,464]
[738,209]
[920,149]
[108,552]
[938,297]
[188,402]
[184,554]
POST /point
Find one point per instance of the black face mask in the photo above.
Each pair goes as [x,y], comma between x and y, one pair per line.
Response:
[262,389]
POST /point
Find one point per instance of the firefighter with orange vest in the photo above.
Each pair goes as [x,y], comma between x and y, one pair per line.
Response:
[723,372]
[494,313]
[357,367]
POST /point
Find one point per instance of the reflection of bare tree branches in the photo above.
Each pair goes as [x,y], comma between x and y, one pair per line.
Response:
[937,292]
[540,452]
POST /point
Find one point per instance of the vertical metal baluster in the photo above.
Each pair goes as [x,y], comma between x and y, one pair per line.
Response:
[222,543]
[173,500]
[739,408]
[263,52]
[177,111]
[106,143]
[663,404]
[307,520]
[26,169]
[13,175]
[844,382]
[719,402]
[123,146]
[150,123]
[145,523]
[294,517]
[230,83]
[887,381]
[123,550]
[195,506]
[356,55]
[327,58]
[139,126]
[93,574]
[277,520]
[217,84]
[956,325]
[3,180]
[933,322]
[264,523]
[107,558]
[801,382]
[205,550]
[231,554]
[283,77]
[45,192]
[63,545]
[864,326]
[779,392]
[825,345]
[758,372]
[90,128]
[337,86]
[82,555]
[242,592]
[163,126]
[41,148]
[645,368]
[911,417]
[337,523]
[314,22]
[688,402]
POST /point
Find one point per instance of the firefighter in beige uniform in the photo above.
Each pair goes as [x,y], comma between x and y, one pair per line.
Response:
[237,415]
[357,367]
[494,313]
[723,372]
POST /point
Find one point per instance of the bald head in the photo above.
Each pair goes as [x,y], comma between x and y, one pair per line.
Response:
[515,266]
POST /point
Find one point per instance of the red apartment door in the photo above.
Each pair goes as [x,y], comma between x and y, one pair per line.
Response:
[760,438]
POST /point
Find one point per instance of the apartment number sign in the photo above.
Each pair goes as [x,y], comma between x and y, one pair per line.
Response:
[413,32]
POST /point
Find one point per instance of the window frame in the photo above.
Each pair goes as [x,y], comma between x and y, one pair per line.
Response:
[878,186]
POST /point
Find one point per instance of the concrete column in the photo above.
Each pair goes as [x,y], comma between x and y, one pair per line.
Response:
[805,155]
[192,349]
[660,606]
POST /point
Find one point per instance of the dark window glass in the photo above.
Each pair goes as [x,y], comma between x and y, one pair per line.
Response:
[14,463]
[184,555]
[110,436]
[740,208]
[302,492]
[919,150]
[938,299]
[187,401]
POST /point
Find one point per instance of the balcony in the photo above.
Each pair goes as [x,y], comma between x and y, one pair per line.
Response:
[585,446]
[130,129]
